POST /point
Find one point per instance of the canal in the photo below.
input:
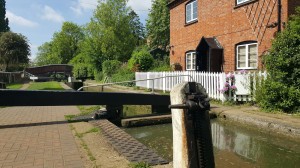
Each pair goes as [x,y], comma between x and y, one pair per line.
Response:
[234,145]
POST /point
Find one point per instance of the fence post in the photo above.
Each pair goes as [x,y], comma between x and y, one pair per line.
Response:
[192,141]
[148,81]
[164,82]
[222,82]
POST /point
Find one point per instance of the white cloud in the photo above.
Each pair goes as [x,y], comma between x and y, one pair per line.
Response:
[140,5]
[33,49]
[18,20]
[84,5]
[52,15]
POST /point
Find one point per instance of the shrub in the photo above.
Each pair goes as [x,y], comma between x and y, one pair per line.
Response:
[81,66]
[160,65]
[141,60]
[124,74]
[276,96]
[110,67]
[99,76]
[281,90]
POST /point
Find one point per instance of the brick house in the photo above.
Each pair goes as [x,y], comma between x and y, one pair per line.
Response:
[225,35]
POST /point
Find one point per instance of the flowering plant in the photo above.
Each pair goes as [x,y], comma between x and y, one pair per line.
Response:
[229,85]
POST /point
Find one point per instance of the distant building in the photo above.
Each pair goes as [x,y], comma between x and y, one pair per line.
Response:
[225,35]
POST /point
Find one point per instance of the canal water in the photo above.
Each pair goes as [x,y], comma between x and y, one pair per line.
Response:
[234,146]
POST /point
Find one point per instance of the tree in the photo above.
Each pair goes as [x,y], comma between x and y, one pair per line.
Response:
[65,44]
[14,50]
[137,28]
[3,20]
[141,60]
[45,55]
[63,47]
[158,25]
[111,32]
[281,90]
[82,66]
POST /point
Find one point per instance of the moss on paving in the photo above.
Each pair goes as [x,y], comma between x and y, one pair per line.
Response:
[84,110]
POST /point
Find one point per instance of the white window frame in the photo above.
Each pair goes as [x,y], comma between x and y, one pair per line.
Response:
[193,61]
[192,4]
[246,56]
[241,1]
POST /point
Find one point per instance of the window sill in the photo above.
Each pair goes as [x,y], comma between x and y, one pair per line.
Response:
[244,4]
[246,68]
[190,23]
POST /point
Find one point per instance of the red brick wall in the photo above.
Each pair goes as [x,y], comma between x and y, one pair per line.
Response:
[228,24]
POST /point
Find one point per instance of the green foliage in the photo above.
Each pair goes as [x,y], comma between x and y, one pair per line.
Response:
[163,68]
[281,91]
[124,74]
[158,25]
[141,60]
[110,67]
[45,55]
[3,19]
[63,47]
[14,51]
[160,65]
[82,66]
[137,28]
[277,96]
[99,76]
[65,44]
[111,31]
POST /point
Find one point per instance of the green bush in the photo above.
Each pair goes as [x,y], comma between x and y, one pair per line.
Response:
[124,74]
[99,76]
[281,91]
[161,68]
[82,66]
[276,96]
[110,67]
[141,60]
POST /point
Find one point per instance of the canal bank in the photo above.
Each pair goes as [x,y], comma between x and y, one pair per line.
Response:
[280,124]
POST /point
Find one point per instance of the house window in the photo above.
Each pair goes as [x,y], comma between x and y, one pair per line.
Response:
[241,1]
[191,11]
[190,61]
[247,56]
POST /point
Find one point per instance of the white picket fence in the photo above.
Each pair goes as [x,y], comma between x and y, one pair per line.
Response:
[212,82]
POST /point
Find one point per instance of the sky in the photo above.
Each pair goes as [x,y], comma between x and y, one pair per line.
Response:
[38,20]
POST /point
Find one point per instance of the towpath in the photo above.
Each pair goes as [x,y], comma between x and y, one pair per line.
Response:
[37,137]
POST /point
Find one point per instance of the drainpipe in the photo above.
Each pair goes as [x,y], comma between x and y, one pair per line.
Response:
[279,15]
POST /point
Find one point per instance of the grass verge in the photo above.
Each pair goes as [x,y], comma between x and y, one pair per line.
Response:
[45,86]
[14,86]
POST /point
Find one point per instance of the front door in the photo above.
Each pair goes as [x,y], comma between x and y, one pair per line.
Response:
[201,60]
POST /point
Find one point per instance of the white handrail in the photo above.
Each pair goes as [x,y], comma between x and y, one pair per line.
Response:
[152,79]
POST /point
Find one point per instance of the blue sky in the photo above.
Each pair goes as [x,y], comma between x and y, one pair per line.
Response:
[39,19]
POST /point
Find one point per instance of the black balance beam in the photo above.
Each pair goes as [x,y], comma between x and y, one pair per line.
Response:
[65,98]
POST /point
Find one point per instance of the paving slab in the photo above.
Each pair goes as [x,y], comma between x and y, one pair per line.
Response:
[37,137]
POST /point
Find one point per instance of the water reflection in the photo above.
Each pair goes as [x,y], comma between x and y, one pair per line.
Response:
[233,146]
[234,141]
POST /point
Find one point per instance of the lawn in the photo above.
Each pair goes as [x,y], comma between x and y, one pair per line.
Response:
[14,86]
[45,86]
